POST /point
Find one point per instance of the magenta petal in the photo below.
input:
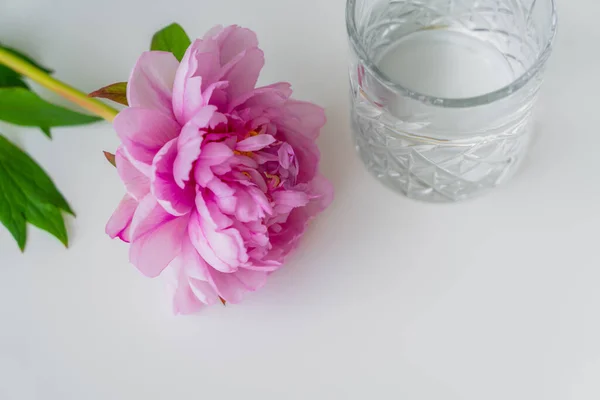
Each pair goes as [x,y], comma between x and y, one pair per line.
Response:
[144,132]
[151,82]
[255,143]
[119,223]
[156,237]
[175,200]
[136,183]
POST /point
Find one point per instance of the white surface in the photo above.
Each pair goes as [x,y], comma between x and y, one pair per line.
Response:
[492,299]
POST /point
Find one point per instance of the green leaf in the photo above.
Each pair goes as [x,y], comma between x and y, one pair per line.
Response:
[21,107]
[9,78]
[26,58]
[116,92]
[27,194]
[171,38]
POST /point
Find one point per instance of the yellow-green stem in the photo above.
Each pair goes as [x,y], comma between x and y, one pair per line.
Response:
[68,92]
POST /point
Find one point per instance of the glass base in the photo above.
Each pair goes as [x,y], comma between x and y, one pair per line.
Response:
[439,171]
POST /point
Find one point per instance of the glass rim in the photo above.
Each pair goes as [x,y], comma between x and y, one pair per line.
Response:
[480,100]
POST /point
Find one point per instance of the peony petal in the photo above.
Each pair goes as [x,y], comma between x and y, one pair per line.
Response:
[243,75]
[185,301]
[222,249]
[272,96]
[156,237]
[195,267]
[232,287]
[214,153]
[286,155]
[247,209]
[224,195]
[253,280]
[201,60]
[322,193]
[255,143]
[304,118]
[287,200]
[234,40]
[307,155]
[188,150]
[189,143]
[136,183]
[144,132]
[151,82]
[175,200]
[119,223]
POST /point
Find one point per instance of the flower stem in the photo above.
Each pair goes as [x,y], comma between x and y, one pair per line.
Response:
[68,92]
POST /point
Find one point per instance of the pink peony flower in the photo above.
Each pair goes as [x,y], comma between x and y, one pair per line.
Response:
[221,177]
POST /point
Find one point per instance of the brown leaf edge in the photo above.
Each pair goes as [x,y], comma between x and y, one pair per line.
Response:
[116,92]
[110,157]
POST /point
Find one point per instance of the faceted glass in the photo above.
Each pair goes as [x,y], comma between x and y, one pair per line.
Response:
[443,90]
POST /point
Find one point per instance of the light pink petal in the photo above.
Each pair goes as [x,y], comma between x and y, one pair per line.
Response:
[151,82]
[287,200]
[246,209]
[322,193]
[144,132]
[156,237]
[188,150]
[221,220]
[304,118]
[233,40]
[222,249]
[119,223]
[214,153]
[260,199]
[200,60]
[136,183]
[272,96]
[232,287]
[255,143]
[286,155]
[243,75]
[185,301]
[195,267]
[214,31]
[204,291]
[224,195]
[203,174]
[189,143]
[175,200]
[307,155]
[252,280]
[192,100]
